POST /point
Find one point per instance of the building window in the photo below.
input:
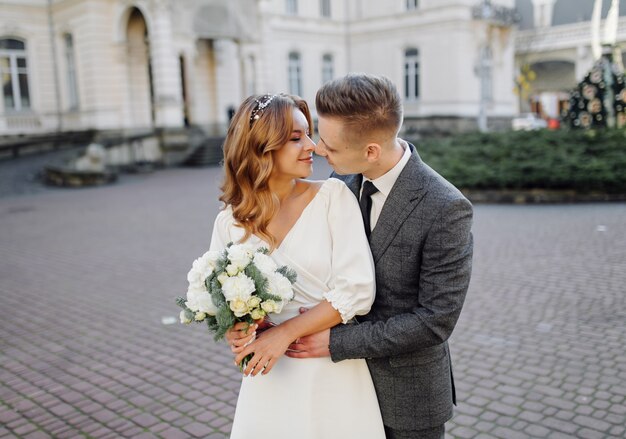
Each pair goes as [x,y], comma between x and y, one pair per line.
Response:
[412,4]
[292,7]
[486,74]
[295,74]
[14,74]
[72,82]
[327,68]
[325,8]
[411,74]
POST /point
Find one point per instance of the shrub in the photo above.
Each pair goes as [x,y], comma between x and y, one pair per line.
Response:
[584,161]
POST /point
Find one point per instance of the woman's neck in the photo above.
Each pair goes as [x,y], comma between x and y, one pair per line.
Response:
[283,188]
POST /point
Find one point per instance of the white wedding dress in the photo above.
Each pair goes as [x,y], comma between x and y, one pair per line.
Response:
[314,398]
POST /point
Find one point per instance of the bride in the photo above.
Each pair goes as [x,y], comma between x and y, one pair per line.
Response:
[315,228]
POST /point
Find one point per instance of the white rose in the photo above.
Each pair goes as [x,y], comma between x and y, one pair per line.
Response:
[211,257]
[269,306]
[257,314]
[280,286]
[195,277]
[200,316]
[265,264]
[254,302]
[200,301]
[192,298]
[238,287]
[239,307]
[232,270]
[240,255]
[202,268]
[184,318]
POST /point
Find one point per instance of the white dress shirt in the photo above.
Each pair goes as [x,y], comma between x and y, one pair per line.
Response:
[384,184]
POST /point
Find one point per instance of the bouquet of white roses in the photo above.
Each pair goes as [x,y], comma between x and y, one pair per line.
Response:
[239,284]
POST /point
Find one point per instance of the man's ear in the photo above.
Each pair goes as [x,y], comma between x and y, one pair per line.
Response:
[372,151]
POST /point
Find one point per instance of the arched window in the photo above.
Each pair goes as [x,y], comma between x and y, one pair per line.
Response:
[295,74]
[291,7]
[325,8]
[14,74]
[70,66]
[327,68]
[411,74]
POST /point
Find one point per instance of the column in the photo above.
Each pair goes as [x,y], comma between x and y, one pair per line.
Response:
[228,77]
[165,70]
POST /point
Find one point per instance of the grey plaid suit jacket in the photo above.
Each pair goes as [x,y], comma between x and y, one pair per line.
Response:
[422,247]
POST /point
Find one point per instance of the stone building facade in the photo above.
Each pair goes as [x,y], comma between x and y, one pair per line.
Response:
[131,65]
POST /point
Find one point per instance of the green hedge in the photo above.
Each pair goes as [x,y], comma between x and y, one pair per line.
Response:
[584,161]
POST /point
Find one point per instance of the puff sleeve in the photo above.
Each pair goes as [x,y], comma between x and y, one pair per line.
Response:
[353,283]
[221,230]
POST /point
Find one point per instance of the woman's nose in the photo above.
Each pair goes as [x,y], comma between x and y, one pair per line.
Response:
[309,144]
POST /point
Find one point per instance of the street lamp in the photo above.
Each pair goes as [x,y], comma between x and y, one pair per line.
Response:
[493,16]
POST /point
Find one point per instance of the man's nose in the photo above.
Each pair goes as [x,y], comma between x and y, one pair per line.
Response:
[320,149]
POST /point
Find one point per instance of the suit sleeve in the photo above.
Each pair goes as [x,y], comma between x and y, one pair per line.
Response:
[444,278]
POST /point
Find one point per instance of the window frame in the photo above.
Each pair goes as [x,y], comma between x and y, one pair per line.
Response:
[294,73]
[411,74]
[328,67]
[14,55]
[325,8]
[411,5]
[291,7]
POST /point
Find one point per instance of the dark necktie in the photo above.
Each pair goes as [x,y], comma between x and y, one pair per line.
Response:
[366,204]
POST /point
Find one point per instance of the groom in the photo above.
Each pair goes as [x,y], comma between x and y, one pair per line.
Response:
[419,231]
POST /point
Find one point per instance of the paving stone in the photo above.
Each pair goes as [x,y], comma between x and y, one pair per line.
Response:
[531,417]
[507,433]
[465,420]
[536,431]
[463,433]
[198,429]
[504,409]
[586,433]
[596,424]
[145,420]
[562,426]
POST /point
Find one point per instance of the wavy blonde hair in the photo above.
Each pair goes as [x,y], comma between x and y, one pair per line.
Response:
[249,160]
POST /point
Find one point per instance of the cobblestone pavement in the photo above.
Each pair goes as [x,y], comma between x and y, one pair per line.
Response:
[88,276]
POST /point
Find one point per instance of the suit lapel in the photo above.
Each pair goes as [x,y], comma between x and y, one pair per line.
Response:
[404,197]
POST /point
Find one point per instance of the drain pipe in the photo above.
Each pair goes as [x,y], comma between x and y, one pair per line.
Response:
[57,91]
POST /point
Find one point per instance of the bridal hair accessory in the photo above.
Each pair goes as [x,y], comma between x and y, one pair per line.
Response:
[261,105]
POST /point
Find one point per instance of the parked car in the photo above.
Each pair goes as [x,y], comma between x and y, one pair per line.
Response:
[528,121]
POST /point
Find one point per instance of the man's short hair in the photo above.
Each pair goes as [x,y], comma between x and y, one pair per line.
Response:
[368,105]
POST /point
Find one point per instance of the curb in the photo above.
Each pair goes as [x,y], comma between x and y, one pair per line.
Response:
[537,196]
